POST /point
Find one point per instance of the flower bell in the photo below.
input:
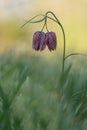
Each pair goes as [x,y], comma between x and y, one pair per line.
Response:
[51,41]
[39,41]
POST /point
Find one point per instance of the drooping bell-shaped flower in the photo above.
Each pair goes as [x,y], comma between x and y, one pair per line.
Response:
[51,40]
[38,42]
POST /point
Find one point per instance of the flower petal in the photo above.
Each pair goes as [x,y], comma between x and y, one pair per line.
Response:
[51,41]
[39,41]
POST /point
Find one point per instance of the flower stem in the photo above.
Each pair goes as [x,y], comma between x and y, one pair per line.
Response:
[64,40]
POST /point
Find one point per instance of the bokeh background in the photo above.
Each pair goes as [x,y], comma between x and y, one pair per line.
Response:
[33,94]
[72,15]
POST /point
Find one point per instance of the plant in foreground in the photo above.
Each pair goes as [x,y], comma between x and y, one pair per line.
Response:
[40,39]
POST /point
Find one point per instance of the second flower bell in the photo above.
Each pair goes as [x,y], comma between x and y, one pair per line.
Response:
[41,39]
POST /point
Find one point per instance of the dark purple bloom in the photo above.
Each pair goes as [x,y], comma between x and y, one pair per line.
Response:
[39,41]
[51,41]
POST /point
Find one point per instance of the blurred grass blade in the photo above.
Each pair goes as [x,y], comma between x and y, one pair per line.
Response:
[22,78]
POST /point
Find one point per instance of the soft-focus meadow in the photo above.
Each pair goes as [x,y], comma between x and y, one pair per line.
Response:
[33,93]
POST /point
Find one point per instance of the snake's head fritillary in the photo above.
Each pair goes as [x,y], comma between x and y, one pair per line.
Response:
[51,40]
[39,41]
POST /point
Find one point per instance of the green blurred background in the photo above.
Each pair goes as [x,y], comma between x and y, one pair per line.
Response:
[72,14]
[39,102]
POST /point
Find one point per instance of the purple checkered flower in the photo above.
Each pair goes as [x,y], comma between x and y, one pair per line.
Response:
[51,41]
[39,41]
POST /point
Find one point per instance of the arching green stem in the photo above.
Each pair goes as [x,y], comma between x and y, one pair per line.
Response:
[64,40]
